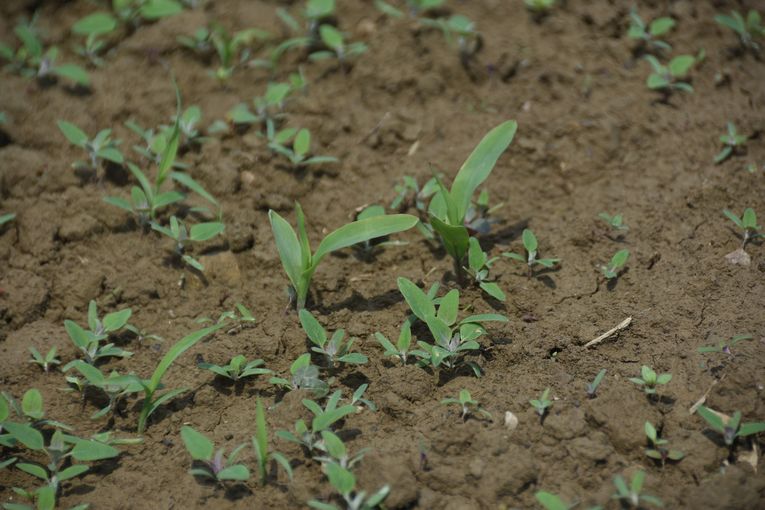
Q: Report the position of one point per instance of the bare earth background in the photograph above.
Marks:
(591, 138)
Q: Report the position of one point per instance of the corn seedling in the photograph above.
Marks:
(334, 349)
(616, 221)
(649, 380)
(238, 368)
(659, 448)
(633, 496)
(649, 34)
(531, 245)
(747, 223)
(401, 349)
(93, 27)
(323, 419)
(299, 153)
(731, 427)
(215, 464)
(31, 409)
(295, 250)
(260, 444)
(89, 341)
(44, 362)
(152, 399)
(725, 346)
(668, 78)
(335, 451)
(478, 268)
(731, 142)
(448, 208)
(303, 375)
(469, 406)
(197, 233)
(98, 149)
(542, 404)
(616, 264)
(114, 385)
(344, 482)
(31, 59)
(592, 387)
(336, 46)
(749, 29)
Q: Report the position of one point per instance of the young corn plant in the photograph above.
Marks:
(747, 223)
(479, 265)
(542, 404)
(336, 349)
(616, 221)
(215, 464)
(531, 245)
(295, 249)
(100, 148)
(615, 266)
(89, 341)
(730, 427)
(649, 380)
(93, 27)
(114, 386)
(344, 482)
(659, 447)
(592, 387)
(669, 78)
(299, 152)
(260, 444)
(404, 342)
(633, 496)
(725, 346)
(749, 30)
(732, 141)
(45, 362)
(238, 368)
(303, 375)
(323, 419)
(469, 406)
(648, 34)
(197, 233)
(336, 47)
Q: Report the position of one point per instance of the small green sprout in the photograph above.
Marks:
(592, 387)
(233, 49)
(448, 208)
(616, 221)
(409, 194)
(616, 264)
(44, 362)
(357, 399)
(553, 502)
(469, 406)
(115, 386)
(5, 218)
(539, 6)
(304, 375)
(747, 222)
(731, 141)
(323, 419)
(659, 449)
(315, 12)
(335, 349)
(725, 346)
(648, 34)
(100, 148)
(31, 409)
(295, 250)
(89, 341)
(415, 7)
(298, 154)
(336, 47)
(198, 233)
(260, 444)
(93, 27)
(649, 379)
(478, 268)
(336, 451)
(632, 495)
(133, 11)
(198, 42)
(344, 482)
(187, 124)
(216, 465)
(269, 108)
(668, 78)
(731, 428)
(531, 245)
(238, 368)
(542, 404)
(749, 30)
(460, 32)
(401, 349)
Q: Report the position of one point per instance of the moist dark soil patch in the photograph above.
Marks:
(591, 138)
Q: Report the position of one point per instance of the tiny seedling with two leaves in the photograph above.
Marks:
(633, 496)
(299, 153)
(335, 349)
(649, 380)
(344, 482)
(238, 368)
(215, 464)
(531, 245)
(323, 419)
(93, 27)
(260, 444)
(479, 265)
(460, 32)
(747, 223)
(89, 341)
(303, 375)
(337, 47)
(542, 404)
(730, 427)
(592, 387)
(469, 406)
(100, 148)
(31, 409)
(749, 29)
(615, 266)
(731, 141)
(335, 451)
(45, 362)
(648, 34)
(670, 77)
(233, 50)
(268, 108)
(404, 342)
(114, 385)
(197, 233)
(725, 346)
(616, 221)
(659, 448)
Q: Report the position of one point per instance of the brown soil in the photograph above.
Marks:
(591, 138)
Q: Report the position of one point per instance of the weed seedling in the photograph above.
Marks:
(260, 444)
(749, 30)
(135, 11)
(551, 501)
(89, 341)
(216, 465)
(5, 218)
(44, 362)
(298, 153)
(616, 221)
(648, 34)
(725, 346)
(93, 27)
(668, 78)
(198, 233)
(268, 108)
(731, 428)
(469, 406)
(542, 404)
(632, 496)
(592, 387)
(460, 32)
(344, 482)
(335, 451)
(323, 419)
(233, 50)
(478, 268)
(115, 386)
(100, 148)
(448, 208)
(659, 448)
(295, 250)
(303, 375)
(335, 349)
(731, 142)
(31, 409)
(238, 368)
(747, 222)
(530, 244)
(336, 47)
(415, 7)
(614, 267)
(649, 380)
(539, 7)
(401, 349)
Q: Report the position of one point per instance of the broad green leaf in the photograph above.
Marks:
(455, 237)
(96, 24)
(712, 418)
(484, 317)
(493, 290)
(747, 429)
(238, 472)
(439, 329)
(749, 218)
(656, 81)
(155, 9)
(476, 256)
(206, 231)
(75, 135)
(32, 404)
(363, 230)
(199, 447)
(288, 246)
(29, 39)
(33, 469)
(46, 498)
(620, 258)
(71, 472)
(341, 479)
(79, 336)
(116, 320)
(25, 434)
(331, 37)
(661, 26)
(313, 329)
(72, 72)
(732, 217)
(529, 241)
(418, 301)
(448, 308)
(680, 65)
(302, 143)
(323, 421)
(90, 450)
(550, 501)
(637, 482)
